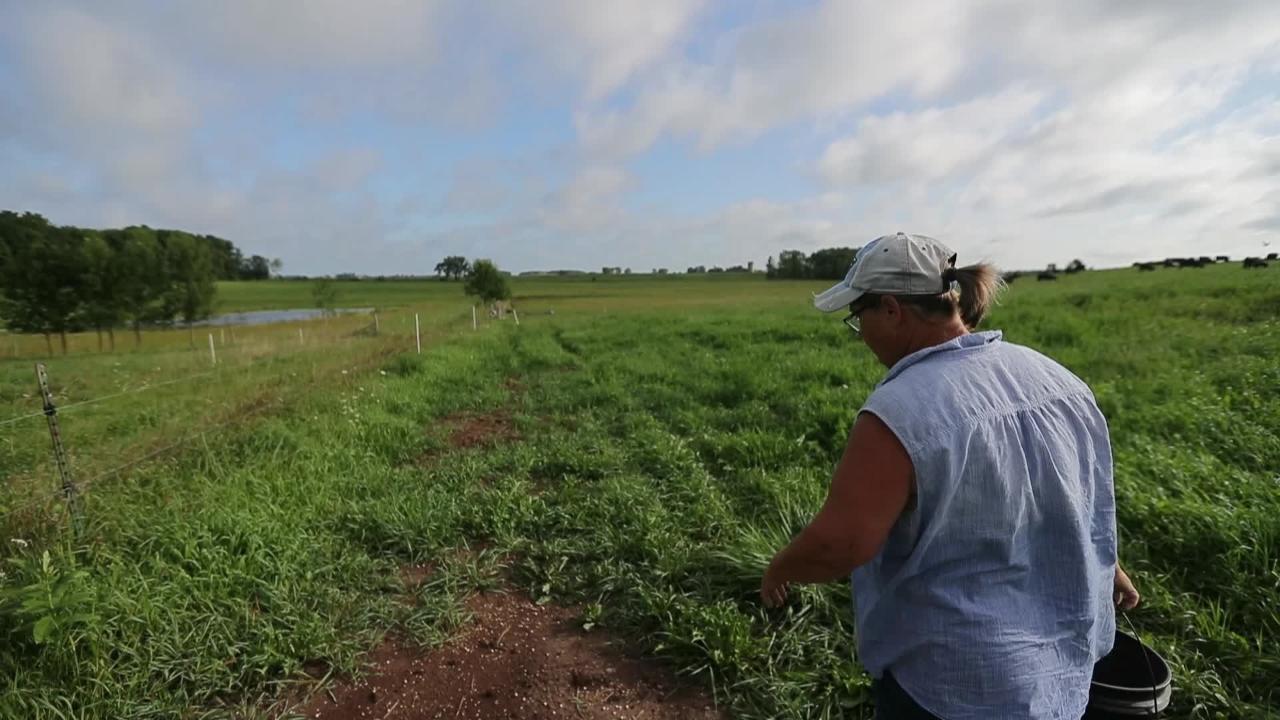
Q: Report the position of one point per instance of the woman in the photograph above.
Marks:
(973, 504)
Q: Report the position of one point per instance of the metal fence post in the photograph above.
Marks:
(59, 453)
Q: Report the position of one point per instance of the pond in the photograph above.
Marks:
(263, 317)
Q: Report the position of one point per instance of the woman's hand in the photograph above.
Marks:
(773, 592)
(1125, 594)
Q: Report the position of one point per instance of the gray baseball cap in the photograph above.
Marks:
(898, 264)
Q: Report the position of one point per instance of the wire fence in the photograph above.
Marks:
(369, 343)
(260, 373)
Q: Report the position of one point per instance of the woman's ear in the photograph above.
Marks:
(891, 306)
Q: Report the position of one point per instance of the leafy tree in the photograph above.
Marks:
(1075, 266)
(792, 265)
(453, 267)
(190, 269)
(103, 286)
(43, 276)
(831, 263)
(144, 283)
(487, 282)
(324, 294)
(255, 268)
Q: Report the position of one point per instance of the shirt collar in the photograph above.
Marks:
(961, 342)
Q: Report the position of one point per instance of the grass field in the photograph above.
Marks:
(662, 437)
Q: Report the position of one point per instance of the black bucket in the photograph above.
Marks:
(1131, 681)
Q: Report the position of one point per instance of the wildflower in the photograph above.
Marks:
(19, 542)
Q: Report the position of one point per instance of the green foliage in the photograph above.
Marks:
(63, 279)
(189, 267)
(54, 607)
(324, 295)
(825, 264)
(487, 282)
(453, 267)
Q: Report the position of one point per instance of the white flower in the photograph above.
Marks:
(19, 542)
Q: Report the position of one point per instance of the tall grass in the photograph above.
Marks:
(662, 453)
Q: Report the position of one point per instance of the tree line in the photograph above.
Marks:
(824, 264)
(56, 279)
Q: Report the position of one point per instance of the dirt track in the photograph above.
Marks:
(516, 660)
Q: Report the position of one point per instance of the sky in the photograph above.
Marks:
(380, 136)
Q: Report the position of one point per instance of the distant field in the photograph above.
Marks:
(655, 439)
(539, 293)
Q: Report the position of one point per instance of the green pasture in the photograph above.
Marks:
(666, 436)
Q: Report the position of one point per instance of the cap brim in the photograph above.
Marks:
(837, 297)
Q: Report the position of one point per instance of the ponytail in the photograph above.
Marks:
(973, 291)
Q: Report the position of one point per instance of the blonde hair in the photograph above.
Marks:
(978, 288)
(973, 290)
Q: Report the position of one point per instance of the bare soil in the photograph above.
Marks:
(516, 660)
(482, 430)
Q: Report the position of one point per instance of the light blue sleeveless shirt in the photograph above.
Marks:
(991, 597)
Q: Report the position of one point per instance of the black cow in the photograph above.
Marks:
(1145, 266)
(1223, 258)
(1254, 262)
(1272, 256)
(1046, 275)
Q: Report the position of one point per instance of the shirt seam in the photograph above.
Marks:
(1021, 407)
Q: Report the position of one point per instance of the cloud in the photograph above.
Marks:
(605, 42)
(930, 145)
(590, 201)
(111, 81)
(369, 136)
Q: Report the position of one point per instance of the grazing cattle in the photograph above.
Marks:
(1254, 262)
(1009, 277)
(1223, 258)
(1271, 256)
(1170, 262)
(1046, 275)
(1145, 266)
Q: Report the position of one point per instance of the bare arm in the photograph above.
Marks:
(870, 489)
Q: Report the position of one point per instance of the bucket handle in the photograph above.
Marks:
(1151, 673)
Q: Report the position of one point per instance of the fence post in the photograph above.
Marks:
(301, 341)
(213, 356)
(59, 453)
(473, 318)
(375, 324)
(417, 333)
(515, 315)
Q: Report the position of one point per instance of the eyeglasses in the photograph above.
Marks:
(853, 323)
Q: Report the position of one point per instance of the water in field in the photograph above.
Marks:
(263, 317)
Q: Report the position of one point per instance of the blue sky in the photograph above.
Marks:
(377, 137)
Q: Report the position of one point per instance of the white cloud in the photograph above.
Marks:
(930, 145)
(606, 42)
(589, 201)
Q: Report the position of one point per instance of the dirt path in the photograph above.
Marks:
(516, 660)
